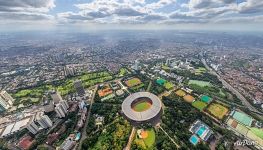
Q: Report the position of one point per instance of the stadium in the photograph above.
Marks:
(141, 108)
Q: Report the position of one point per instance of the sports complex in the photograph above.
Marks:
(142, 107)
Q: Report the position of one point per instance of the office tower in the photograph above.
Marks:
(60, 112)
(136, 65)
(8, 98)
(168, 62)
(61, 109)
(69, 71)
(6, 101)
(79, 88)
(2, 108)
(64, 104)
(32, 127)
(43, 120)
(3, 104)
(56, 97)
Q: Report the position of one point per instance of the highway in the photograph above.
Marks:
(84, 133)
(230, 88)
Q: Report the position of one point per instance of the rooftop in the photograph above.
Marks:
(143, 115)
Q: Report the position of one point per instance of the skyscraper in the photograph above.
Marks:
(136, 65)
(38, 122)
(32, 127)
(4, 105)
(64, 104)
(79, 88)
(6, 100)
(69, 71)
(61, 109)
(56, 97)
(43, 120)
(168, 62)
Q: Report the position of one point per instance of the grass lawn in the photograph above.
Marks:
(180, 93)
(137, 87)
(258, 132)
(141, 106)
(168, 85)
(199, 105)
(148, 142)
(123, 71)
(200, 83)
(217, 110)
(23, 93)
(133, 82)
(222, 93)
(34, 100)
(165, 67)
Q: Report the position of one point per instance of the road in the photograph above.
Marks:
(84, 133)
(233, 90)
(128, 146)
(123, 87)
(149, 86)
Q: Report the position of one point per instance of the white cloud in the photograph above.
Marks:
(26, 9)
(136, 11)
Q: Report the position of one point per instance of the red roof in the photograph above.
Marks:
(26, 142)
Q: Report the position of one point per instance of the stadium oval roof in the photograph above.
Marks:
(144, 115)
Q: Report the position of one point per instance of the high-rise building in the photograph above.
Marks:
(79, 88)
(64, 104)
(136, 65)
(61, 109)
(56, 97)
(32, 127)
(43, 120)
(69, 71)
(6, 100)
(168, 62)
(4, 105)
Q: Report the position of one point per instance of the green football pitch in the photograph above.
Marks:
(141, 106)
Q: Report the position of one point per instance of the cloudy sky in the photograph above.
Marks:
(132, 14)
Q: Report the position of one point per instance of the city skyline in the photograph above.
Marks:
(245, 15)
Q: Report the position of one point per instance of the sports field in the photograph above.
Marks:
(189, 98)
(206, 99)
(199, 105)
(141, 106)
(217, 110)
(258, 132)
(180, 93)
(147, 139)
(133, 82)
(168, 85)
(200, 83)
(104, 92)
(200, 71)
